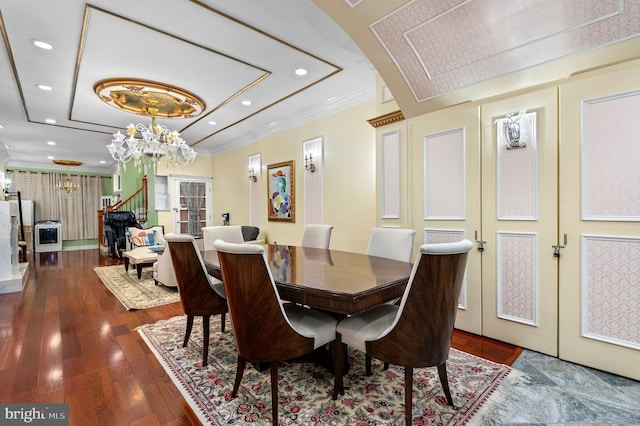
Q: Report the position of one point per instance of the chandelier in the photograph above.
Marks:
(149, 98)
(66, 187)
(157, 142)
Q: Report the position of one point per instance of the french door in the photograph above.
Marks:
(191, 205)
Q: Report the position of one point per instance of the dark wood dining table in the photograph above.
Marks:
(335, 281)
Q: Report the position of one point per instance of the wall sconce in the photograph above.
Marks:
(512, 132)
(252, 175)
(308, 163)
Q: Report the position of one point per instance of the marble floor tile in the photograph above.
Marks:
(557, 393)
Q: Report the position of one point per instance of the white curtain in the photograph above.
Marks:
(78, 213)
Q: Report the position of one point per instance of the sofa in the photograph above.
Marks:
(163, 268)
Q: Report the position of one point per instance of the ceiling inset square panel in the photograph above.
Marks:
(193, 66)
(440, 47)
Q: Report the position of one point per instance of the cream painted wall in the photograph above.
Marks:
(349, 178)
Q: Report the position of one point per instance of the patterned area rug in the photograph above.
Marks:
(133, 294)
(305, 388)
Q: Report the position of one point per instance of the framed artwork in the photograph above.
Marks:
(281, 191)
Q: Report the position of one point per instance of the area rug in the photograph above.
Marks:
(134, 294)
(305, 388)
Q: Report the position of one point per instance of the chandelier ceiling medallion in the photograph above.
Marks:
(66, 187)
(152, 99)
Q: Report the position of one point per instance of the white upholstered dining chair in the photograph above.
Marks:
(200, 297)
(392, 243)
(317, 236)
(265, 329)
(417, 333)
(227, 233)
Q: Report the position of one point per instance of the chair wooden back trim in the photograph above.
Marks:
(262, 330)
(194, 285)
(428, 309)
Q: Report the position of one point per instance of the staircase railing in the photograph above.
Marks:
(138, 203)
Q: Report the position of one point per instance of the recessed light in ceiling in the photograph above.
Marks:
(213, 123)
(301, 71)
(42, 44)
(44, 87)
(51, 143)
(50, 157)
(103, 162)
(1, 126)
(10, 146)
(246, 103)
(50, 120)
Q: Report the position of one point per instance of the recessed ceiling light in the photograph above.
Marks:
(42, 44)
(213, 123)
(44, 87)
(50, 120)
(103, 162)
(10, 146)
(50, 157)
(1, 126)
(246, 103)
(301, 71)
(51, 143)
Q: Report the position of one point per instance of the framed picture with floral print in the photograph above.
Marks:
(281, 191)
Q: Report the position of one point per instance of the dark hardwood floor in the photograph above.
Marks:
(66, 338)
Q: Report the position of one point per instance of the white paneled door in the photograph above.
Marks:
(449, 165)
(600, 213)
(519, 221)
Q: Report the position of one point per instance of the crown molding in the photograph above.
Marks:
(383, 120)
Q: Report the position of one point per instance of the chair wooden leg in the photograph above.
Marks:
(408, 394)
(205, 331)
(223, 319)
(367, 365)
(274, 391)
(239, 373)
(339, 353)
(187, 333)
(444, 381)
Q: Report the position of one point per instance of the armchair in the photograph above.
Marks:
(163, 272)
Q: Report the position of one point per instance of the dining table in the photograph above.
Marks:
(339, 282)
